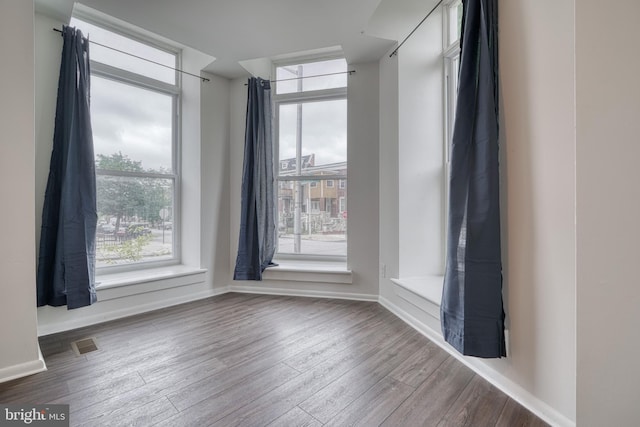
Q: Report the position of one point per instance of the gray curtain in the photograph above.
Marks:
(66, 262)
(258, 232)
(472, 314)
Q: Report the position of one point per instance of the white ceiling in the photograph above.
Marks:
(240, 30)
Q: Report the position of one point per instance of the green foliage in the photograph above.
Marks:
(118, 162)
(129, 198)
(129, 250)
(122, 197)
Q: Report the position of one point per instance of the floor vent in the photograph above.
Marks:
(84, 346)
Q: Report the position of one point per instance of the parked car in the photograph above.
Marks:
(106, 228)
(137, 229)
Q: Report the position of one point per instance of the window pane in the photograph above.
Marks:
(323, 136)
(132, 123)
(127, 62)
(312, 220)
(311, 83)
(135, 220)
(455, 21)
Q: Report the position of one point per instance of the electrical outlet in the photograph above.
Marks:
(383, 270)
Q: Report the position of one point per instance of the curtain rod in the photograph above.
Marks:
(395, 51)
(204, 79)
(308, 77)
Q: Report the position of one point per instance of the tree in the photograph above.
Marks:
(119, 196)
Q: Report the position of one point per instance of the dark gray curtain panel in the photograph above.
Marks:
(66, 262)
(472, 314)
(258, 232)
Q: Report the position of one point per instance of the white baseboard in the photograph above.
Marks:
(301, 293)
(513, 390)
(516, 392)
(23, 369)
(76, 322)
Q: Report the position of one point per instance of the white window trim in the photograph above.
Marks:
(450, 52)
(127, 77)
(446, 24)
(305, 97)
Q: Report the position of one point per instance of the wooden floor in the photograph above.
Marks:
(256, 360)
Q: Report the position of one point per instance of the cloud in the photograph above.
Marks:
(324, 131)
(131, 120)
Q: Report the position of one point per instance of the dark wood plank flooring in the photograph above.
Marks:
(250, 360)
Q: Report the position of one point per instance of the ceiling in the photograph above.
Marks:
(241, 30)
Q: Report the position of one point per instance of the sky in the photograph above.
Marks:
(125, 118)
(138, 122)
(324, 124)
(324, 131)
(131, 120)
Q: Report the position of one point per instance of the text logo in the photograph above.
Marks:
(34, 415)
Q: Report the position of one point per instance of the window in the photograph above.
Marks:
(451, 58)
(343, 184)
(453, 24)
(311, 129)
(134, 107)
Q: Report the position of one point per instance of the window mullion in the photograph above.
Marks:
(117, 74)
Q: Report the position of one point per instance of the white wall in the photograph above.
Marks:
(538, 199)
(363, 102)
(18, 334)
(363, 176)
(214, 165)
(412, 167)
(538, 176)
(389, 173)
(608, 210)
(420, 150)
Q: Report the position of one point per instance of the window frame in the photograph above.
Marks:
(305, 97)
(126, 77)
(450, 64)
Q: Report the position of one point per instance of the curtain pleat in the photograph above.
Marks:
(258, 232)
(472, 314)
(66, 262)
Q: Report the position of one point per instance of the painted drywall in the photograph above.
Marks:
(18, 333)
(411, 162)
(389, 201)
(608, 208)
(214, 191)
(538, 189)
(363, 137)
(538, 201)
(420, 150)
(191, 157)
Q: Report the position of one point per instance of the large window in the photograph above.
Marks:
(311, 128)
(133, 112)
(451, 56)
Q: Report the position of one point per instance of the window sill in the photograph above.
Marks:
(118, 285)
(424, 292)
(309, 271)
